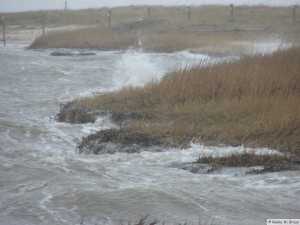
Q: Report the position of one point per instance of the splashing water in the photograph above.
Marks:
(43, 182)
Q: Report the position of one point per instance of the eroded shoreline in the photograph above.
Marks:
(155, 119)
(130, 141)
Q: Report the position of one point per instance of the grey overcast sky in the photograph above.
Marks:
(29, 5)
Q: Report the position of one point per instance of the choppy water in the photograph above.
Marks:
(42, 181)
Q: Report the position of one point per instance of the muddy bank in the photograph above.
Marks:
(122, 140)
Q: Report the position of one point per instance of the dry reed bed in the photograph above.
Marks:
(119, 39)
(254, 101)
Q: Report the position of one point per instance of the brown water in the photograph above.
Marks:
(42, 181)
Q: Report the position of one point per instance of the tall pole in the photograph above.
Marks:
(43, 23)
(109, 19)
(3, 29)
(231, 12)
(66, 5)
(189, 12)
(294, 14)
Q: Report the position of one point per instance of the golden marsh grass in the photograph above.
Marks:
(254, 101)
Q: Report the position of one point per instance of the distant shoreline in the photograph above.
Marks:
(161, 29)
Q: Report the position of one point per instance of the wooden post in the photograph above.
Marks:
(149, 11)
(3, 30)
(294, 14)
(189, 12)
(43, 23)
(231, 12)
(109, 19)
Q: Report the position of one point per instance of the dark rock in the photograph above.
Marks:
(61, 54)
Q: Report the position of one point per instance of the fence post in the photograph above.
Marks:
(109, 19)
(189, 12)
(3, 30)
(43, 23)
(294, 14)
(231, 12)
(149, 11)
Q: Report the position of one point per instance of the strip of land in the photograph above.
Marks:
(164, 29)
(253, 101)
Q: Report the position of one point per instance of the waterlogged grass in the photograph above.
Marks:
(254, 101)
(270, 163)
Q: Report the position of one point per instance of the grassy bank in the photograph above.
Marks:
(166, 29)
(254, 101)
(175, 16)
(119, 39)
